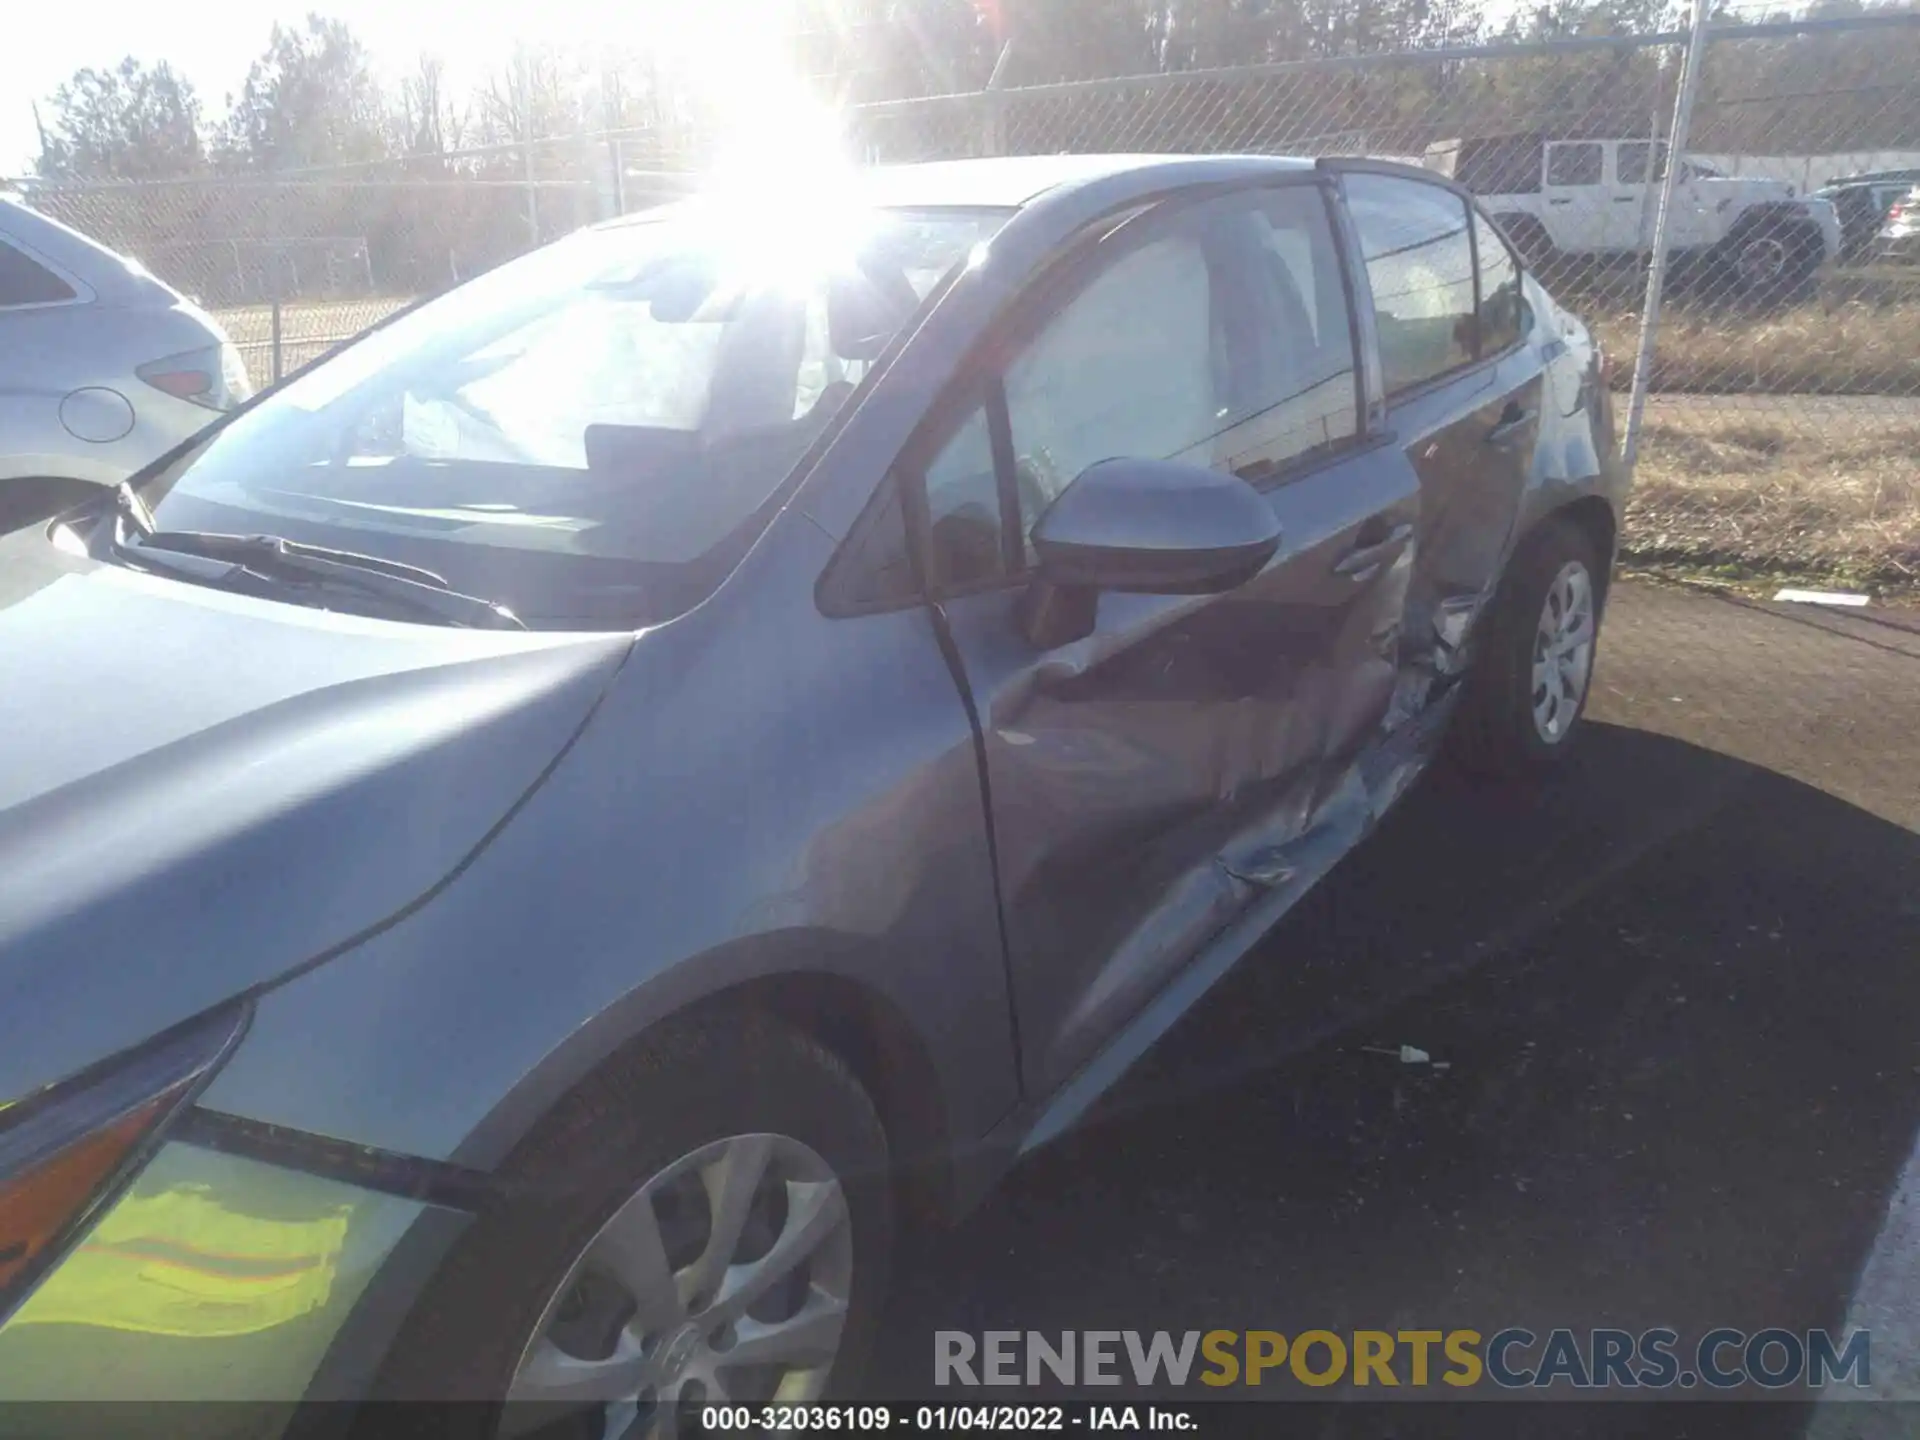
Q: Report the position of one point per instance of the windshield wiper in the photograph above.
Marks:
(273, 557)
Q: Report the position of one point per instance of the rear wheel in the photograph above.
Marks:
(1527, 691)
(706, 1221)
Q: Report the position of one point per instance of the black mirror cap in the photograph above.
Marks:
(1157, 527)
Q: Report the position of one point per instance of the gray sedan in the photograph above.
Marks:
(102, 367)
(536, 850)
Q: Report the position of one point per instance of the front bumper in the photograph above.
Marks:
(213, 1279)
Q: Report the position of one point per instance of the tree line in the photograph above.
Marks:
(313, 98)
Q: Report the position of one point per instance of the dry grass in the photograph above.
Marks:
(1840, 500)
(1849, 348)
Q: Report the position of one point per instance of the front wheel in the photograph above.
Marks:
(708, 1220)
(1772, 262)
(1527, 691)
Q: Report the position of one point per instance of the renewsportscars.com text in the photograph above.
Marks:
(1511, 1359)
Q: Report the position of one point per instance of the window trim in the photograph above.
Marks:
(83, 293)
(1389, 170)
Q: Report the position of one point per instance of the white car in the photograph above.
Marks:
(1599, 198)
(102, 367)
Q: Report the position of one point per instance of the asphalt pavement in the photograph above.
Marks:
(1677, 993)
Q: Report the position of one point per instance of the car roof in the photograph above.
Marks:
(1017, 179)
(1009, 182)
(1876, 177)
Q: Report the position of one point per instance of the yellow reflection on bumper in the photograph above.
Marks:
(183, 1262)
(212, 1278)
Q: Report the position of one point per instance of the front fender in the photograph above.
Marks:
(764, 793)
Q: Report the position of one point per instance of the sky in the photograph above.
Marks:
(212, 42)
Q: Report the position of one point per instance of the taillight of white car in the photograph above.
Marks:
(214, 376)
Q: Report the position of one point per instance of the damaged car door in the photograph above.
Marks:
(1463, 385)
(1153, 759)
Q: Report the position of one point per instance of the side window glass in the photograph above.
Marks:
(1303, 396)
(1630, 162)
(1413, 238)
(1503, 317)
(1128, 368)
(963, 508)
(27, 282)
(1575, 164)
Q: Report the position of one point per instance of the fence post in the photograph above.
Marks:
(993, 138)
(533, 194)
(1657, 266)
(276, 335)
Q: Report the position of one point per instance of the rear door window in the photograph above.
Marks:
(1503, 309)
(1419, 259)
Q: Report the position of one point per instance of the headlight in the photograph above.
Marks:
(65, 1150)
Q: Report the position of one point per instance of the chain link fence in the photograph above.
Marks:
(1781, 417)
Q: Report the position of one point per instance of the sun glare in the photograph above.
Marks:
(780, 184)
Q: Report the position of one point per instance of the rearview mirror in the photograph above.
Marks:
(864, 307)
(1155, 527)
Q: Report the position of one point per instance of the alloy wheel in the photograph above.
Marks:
(1563, 652)
(726, 1277)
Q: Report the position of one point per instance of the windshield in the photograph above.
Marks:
(587, 434)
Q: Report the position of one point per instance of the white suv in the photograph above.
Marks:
(1599, 198)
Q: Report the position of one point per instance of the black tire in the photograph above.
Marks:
(1494, 732)
(1792, 249)
(685, 1086)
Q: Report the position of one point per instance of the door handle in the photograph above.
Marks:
(1362, 562)
(1626, 199)
(1513, 420)
(1564, 200)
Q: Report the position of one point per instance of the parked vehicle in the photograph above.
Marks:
(1600, 197)
(1862, 203)
(1899, 238)
(102, 367)
(558, 832)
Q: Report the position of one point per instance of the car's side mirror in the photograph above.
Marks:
(1155, 527)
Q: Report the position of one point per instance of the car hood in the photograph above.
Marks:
(202, 792)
